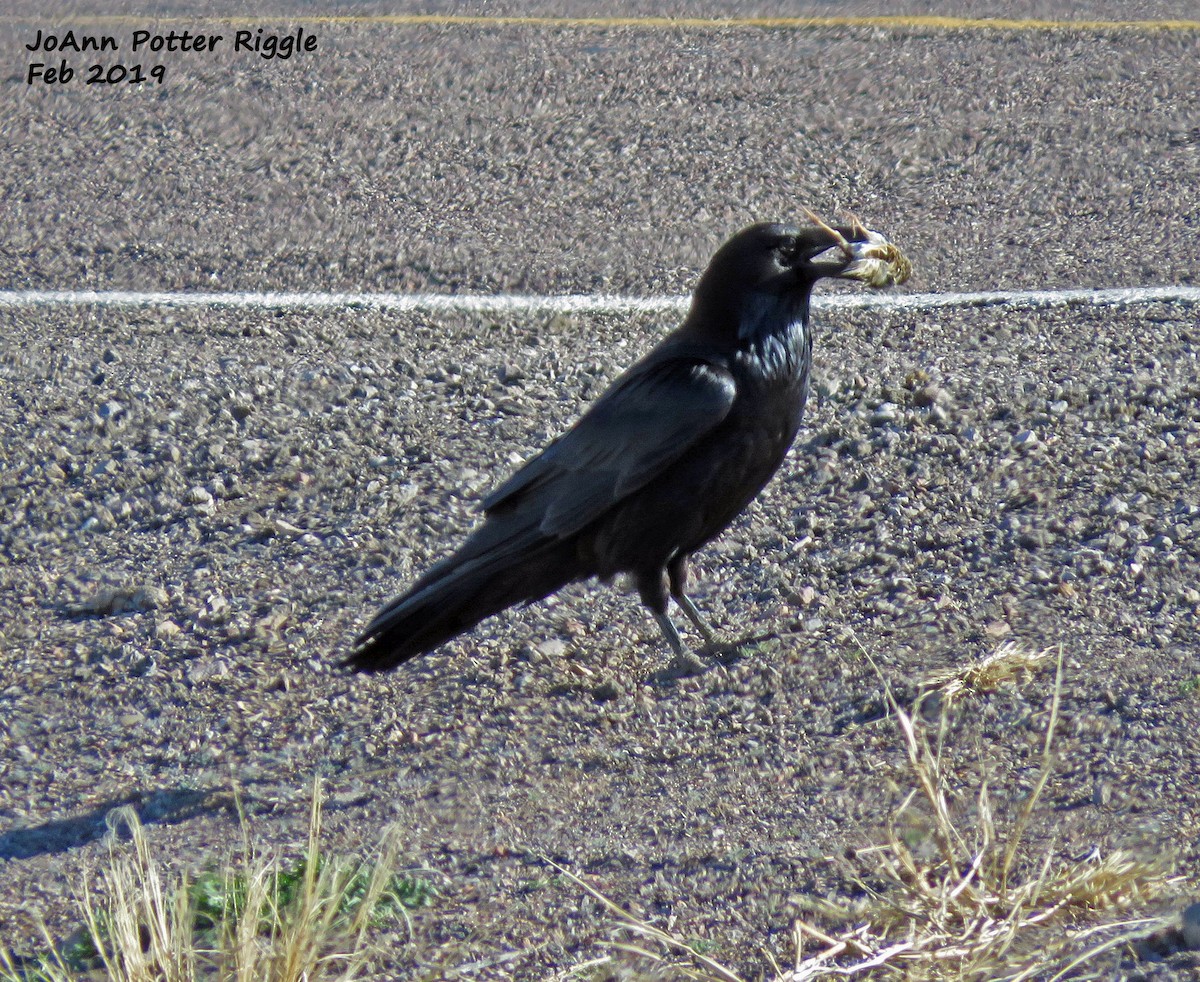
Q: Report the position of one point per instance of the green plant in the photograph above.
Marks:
(258, 919)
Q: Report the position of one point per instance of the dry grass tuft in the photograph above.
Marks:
(673, 956)
(261, 920)
(970, 898)
(948, 896)
(1011, 662)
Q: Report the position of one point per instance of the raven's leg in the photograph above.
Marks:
(654, 595)
(677, 574)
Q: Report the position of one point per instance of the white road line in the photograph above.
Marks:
(517, 303)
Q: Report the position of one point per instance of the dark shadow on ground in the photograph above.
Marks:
(161, 807)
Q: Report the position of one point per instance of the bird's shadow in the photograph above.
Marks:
(722, 653)
(64, 834)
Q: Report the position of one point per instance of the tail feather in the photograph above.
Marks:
(456, 595)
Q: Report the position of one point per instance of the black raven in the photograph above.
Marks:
(662, 462)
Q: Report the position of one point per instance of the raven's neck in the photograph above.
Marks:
(767, 316)
(773, 342)
(734, 318)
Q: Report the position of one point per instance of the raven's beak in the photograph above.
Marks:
(872, 259)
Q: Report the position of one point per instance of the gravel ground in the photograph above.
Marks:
(198, 509)
(579, 160)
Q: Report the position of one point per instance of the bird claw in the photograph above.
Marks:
(857, 227)
(839, 239)
(683, 665)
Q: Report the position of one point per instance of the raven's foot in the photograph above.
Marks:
(732, 650)
(684, 662)
(682, 665)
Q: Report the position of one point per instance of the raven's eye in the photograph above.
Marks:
(789, 251)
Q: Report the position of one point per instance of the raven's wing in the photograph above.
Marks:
(634, 431)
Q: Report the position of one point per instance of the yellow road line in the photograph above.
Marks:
(668, 23)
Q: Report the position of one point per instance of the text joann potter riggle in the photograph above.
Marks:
(103, 61)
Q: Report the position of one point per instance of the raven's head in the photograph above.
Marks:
(851, 252)
(784, 259)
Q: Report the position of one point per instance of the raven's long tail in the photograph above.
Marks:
(459, 592)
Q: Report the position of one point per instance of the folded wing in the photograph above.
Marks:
(636, 430)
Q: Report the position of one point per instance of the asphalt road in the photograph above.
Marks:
(965, 477)
(579, 159)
